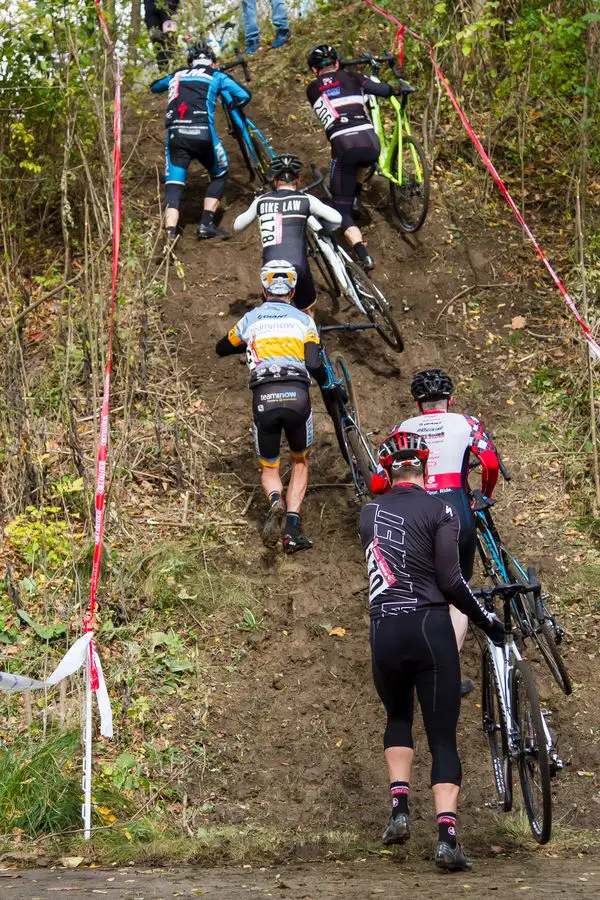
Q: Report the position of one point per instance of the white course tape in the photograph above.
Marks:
(73, 660)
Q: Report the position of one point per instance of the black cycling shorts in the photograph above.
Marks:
(306, 293)
(459, 501)
(349, 153)
(182, 148)
(417, 649)
(281, 407)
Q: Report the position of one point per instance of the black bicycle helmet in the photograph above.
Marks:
(285, 168)
(431, 384)
(200, 50)
(322, 56)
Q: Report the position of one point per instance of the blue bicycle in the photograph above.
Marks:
(255, 148)
(532, 617)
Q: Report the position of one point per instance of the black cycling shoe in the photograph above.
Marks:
(451, 858)
(273, 518)
(398, 829)
(170, 240)
(206, 232)
(292, 543)
(466, 686)
(366, 263)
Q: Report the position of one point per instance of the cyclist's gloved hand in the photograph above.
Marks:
(495, 630)
(380, 483)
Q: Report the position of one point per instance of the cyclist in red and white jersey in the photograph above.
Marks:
(451, 438)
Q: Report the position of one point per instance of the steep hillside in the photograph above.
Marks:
(294, 736)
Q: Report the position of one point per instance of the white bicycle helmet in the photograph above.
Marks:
(278, 278)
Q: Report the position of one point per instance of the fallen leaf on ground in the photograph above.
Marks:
(518, 322)
(338, 631)
(71, 862)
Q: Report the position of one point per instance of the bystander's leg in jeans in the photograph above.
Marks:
(280, 22)
(251, 29)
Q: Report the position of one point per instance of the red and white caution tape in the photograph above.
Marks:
(398, 46)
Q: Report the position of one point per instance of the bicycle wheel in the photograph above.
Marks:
(375, 306)
(342, 373)
(545, 640)
(534, 769)
(494, 728)
(410, 200)
(359, 453)
(323, 265)
(263, 153)
(541, 633)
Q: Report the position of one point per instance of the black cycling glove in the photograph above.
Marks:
(495, 630)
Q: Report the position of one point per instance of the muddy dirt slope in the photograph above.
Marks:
(298, 730)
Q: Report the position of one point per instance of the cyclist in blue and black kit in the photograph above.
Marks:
(191, 134)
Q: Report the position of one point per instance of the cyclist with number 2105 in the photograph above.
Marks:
(337, 99)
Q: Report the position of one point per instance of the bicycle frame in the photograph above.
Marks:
(389, 145)
(240, 123)
(337, 258)
(504, 659)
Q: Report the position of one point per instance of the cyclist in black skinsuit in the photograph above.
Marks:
(410, 540)
(282, 216)
(337, 99)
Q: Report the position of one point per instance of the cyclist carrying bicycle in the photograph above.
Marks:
(452, 438)
(282, 216)
(337, 98)
(191, 134)
(410, 542)
(282, 350)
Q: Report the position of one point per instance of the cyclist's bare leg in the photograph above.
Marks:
(270, 478)
(171, 217)
(211, 204)
(297, 486)
(445, 797)
(399, 762)
(353, 235)
(460, 623)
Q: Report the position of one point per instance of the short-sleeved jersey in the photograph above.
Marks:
(338, 101)
(193, 94)
(276, 335)
(451, 438)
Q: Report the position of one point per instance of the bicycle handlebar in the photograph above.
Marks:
(368, 59)
(318, 175)
(533, 585)
(239, 61)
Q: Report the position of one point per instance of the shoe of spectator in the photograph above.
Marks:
(280, 39)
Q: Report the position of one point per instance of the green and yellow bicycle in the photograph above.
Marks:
(402, 159)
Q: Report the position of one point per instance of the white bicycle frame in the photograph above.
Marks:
(503, 659)
(337, 258)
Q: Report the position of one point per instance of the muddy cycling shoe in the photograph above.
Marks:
(273, 519)
(292, 543)
(451, 858)
(398, 830)
(366, 263)
(466, 686)
(206, 232)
